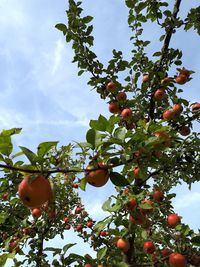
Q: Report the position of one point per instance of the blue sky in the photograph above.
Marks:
(40, 90)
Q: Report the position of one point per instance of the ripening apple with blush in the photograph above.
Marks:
(126, 114)
(168, 114)
(173, 219)
(114, 107)
(35, 191)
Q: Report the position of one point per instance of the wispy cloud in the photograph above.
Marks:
(188, 200)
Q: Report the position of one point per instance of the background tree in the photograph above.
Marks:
(145, 148)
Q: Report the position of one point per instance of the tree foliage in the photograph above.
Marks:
(149, 137)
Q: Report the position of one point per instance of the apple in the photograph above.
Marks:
(166, 252)
(139, 219)
(66, 219)
(195, 259)
(168, 114)
(185, 72)
(177, 260)
(113, 107)
(121, 96)
(177, 108)
(195, 106)
(184, 130)
(159, 94)
(149, 247)
(52, 215)
(34, 193)
(126, 113)
(78, 210)
(181, 79)
(87, 265)
(98, 177)
(36, 212)
(136, 171)
(79, 227)
(89, 224)
(131, 204)
(123, 244)
(75, 186)
(5, 196)
(162, 136)
(145, 78)
(111, 87)
(67, 226)
(26, 231)
(103, 233)
(158, 195)
(173, 219)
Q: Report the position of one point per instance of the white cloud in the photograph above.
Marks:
(187, 200)
(57, 56)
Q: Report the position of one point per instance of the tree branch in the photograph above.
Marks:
(164, 50)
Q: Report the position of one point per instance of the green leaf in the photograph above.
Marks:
(5, 145)
(118, 179)
(3, 217)
(68, 246)
(80, 72)
(100, 124)
(29, 154)
(54, 250)
(93, 137)
(82, 184)
(111, 208)
(11, 132)
(101, 253)
(87, 19)
(61, 27)
(196, 241)
(44, 147)
(101, 225)
(4, 257)
(120, 133)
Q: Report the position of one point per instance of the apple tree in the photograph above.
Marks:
(145, 148)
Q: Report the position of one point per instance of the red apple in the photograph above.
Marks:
(36, 212)
(195, 106)
(181, 79)
(66, 219)
(52, 215)
(184, 130)
(166, 252)
(177, 260)
(79, 227)
(131, 204)
(123, 244)
(113, 107)
(177, 108)
(173, 219)
(89, 224)
(159, 94)
(145, 78)
(121, 96)
(185, 72)
(149, 247)
(78, 210)
(126, 114)
(111, 87)
(158, 195)
(34, 193)
(168, 114)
